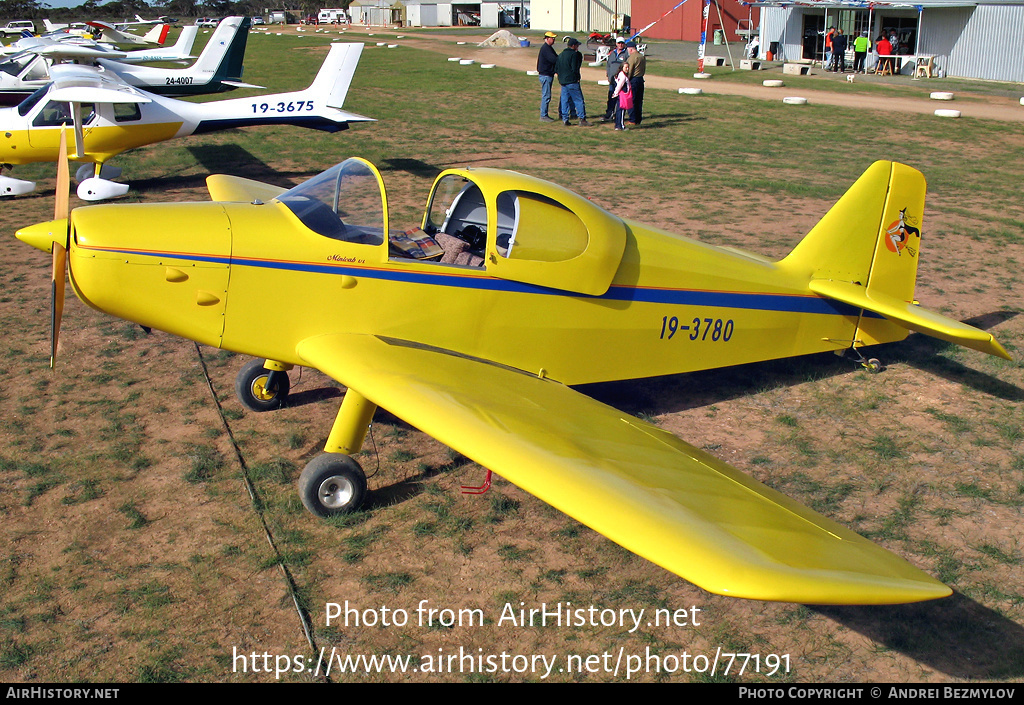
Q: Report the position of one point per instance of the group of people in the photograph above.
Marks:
(625, 69)
(836, 44)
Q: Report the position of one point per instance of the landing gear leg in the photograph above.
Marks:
(333, 483)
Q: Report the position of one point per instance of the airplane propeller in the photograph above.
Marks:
(54, 237)
(61, 211)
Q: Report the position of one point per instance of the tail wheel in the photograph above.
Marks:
(332, 484)
(260, 389)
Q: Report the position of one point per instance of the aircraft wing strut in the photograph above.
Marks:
(638, 485)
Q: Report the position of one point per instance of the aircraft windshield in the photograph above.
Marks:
(27, 104)
(342, 203)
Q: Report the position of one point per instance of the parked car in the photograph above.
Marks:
(257, 20)
(14, 29)
(207, 22)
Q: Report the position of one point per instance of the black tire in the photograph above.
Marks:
(332, 484)
(252, 391)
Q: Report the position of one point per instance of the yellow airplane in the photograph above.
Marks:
(110, 116)
(473, 326)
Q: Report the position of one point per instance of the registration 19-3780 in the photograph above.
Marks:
(714, 329)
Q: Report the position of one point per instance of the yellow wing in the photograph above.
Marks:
(639, 486)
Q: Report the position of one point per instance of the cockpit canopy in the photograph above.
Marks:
(346, 202)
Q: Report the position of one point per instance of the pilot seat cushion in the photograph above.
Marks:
(452, 247)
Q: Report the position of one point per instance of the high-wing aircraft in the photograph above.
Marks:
(111, 33)
(109, 117)
(530, 278)
(219, 66)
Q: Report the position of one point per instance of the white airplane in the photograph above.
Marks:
(110, 33)
(109, 116)
(219, 67)
(75, 28)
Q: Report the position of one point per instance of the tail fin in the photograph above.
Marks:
(864, 252)
(335, 75)
(223, 54)
(186, 40)
(157, 35)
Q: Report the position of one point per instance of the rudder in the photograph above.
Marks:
(869, 238)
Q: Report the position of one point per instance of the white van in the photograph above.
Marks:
(332, 16)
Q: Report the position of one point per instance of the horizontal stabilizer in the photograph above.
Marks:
(235, 189)
(240, 84)
(641, 487)
(910, 316)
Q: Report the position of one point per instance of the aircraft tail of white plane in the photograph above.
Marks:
(222, 56)
(157, 35)
(317, 107)
(181, 50)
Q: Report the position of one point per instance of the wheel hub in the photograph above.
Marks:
(260, 390)
(336, 491)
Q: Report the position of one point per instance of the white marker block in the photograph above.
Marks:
(465, 62)
(773, 83)
(487, 66)
(702, 75)
(691, 91)
(792, 100)
(948, 113)
(941, 95)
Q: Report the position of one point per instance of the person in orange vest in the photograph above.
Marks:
(828, 47)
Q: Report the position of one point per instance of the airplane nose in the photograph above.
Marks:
(42, 235)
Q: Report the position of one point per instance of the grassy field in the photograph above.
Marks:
(138, 494)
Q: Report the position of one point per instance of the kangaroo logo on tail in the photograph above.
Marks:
(897, 234)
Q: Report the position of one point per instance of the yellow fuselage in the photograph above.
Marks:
(254, 280)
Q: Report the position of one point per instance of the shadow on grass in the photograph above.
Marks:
(414, 167)
(406, 489)
(312, 396)
(956, 636)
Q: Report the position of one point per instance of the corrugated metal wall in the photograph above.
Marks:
(968, 42)
(598, 14)
(976, 42)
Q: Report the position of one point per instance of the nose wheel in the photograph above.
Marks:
(260, 389)
(332, 484)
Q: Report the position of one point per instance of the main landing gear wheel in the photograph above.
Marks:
(332, 484)
(260, 389)
(873, 365)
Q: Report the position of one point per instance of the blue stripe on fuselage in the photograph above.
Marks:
(678, 297)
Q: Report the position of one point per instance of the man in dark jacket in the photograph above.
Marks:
(568, 69)
(546, 70)
(839, 51)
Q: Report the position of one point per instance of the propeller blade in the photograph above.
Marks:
(63, 194)
(60, 259)
(61, 211)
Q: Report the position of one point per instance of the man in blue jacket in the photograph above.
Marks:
(546, 70)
